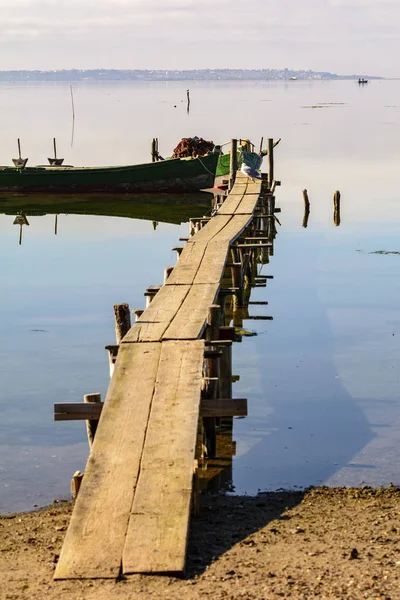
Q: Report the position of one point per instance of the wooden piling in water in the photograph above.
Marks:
(167, 273)
(233, 164)
(91, 425)
(122, 316)
(336, 208)
(76, 483)
(212, 333)
(306, 208)
(270, 161)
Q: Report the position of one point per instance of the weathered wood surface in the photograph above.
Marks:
(190, 321)
(224, 407)
(79, 411)
(154, 321)
(133, 507)
(231, 203)
(95, 538)
(186, 268)
(158, 528)
(211, 228)
(73, 411)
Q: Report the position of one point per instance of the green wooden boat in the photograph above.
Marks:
(224, 162)
(169, 176)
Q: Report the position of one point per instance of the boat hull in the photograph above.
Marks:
(169, 176)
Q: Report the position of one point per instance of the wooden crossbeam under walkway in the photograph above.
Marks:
(133, 509)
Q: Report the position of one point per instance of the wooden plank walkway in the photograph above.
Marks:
(133, 509)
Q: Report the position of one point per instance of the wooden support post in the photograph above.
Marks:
(178, 250)
(225, 370)
(122, 321)
(212, 333)
(196, 491)
(153, 150)
(233, 164)
(112, 356)
(76, 483)
(138, 313)
(167, 273)
(213, 322)
(270, 162)
(150, 293)
(91, 425)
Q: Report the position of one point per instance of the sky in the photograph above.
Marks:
(341, 36)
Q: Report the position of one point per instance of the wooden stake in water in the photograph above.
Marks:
(73, 115)
(336, 208)
(122, 316)
(233, 164)
(270, 161)
(91, 425)
(306, 208)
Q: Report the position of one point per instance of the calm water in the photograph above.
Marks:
(322, 379)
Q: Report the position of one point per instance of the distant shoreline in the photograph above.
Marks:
(117, 75)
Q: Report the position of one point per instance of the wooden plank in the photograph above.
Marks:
(207, 232)
(189, 323)
(248, 204)
(240, 186)
(253, 187)
(213, 264)
(96, 535)
(158, 527)
(186, 268)
(241, 178)
(222, 407)
(74, 411)
(154, 321)
(230, 204)
(80, 411)
(233, 229)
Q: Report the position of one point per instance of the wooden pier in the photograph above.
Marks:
(173, 366)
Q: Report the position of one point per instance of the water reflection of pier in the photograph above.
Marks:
(215, 468)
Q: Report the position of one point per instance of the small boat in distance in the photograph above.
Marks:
(175, 175)
(360, 81)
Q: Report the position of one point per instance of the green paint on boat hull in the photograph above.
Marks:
(169, 176)
(224, 161)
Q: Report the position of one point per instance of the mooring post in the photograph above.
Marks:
(336, 208)
(91, 425)
(233, 164)
(153, 150)
(306, 208)
(270, 161)
(122, 316)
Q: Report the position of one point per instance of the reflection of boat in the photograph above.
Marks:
(163, 208)
(361, 80)
(171, 176)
